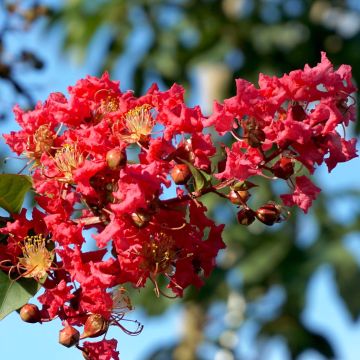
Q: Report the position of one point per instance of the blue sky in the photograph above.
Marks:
(325, 311)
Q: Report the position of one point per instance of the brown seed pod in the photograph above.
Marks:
(180, 173)
(246, 217)
(269, 214)
(95, 325)
(69, 336)
(283, 168)
(30, 313)
(256, 137)
(115, 158)
(239, 197)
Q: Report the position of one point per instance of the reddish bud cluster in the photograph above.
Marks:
(80, 149)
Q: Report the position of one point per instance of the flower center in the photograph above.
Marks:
(107, 105)
(67, 159)
(136, 124)
(36, 259)
(40, 143)
(159, 253)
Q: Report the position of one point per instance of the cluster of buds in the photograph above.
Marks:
(268, 214)
(102, 159)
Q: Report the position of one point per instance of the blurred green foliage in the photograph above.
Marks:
(247, 37)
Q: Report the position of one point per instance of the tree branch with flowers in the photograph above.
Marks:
(102, 159)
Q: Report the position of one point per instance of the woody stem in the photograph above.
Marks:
(197, 194)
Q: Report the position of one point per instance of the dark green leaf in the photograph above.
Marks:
(347, 275)
(12, 191)
(263, 259)
(321, 344)
(14, 294)
(243, 185)
(298, 337)
(202, 178)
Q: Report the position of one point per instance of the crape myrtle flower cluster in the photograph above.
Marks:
(101, 160)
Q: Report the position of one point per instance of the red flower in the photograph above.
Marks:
(305, 192)
(221, 118)
(38, 130)
(137, 185)
(242, 162)
(101, 350)
(54, 299)
(340, 150)
(159, 149)
(18, 230)
(65, 232)
(302, 85)
(203, 148)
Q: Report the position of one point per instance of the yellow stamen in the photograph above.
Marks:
(41, 142)
(137, 123)
(159, 254)
(67, 159)
(36, 259)
(107, 105)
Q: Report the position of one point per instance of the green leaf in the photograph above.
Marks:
(260, 262)
(298, 337)
(15, 294)
(202, 178)
(243, 185)
(13, 189)
(347, 274)
(346, 270)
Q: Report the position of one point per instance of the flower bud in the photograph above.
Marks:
(255, 137)
(30, 313)
(269, 214)
(239, 197)
(283, 168)
(69, 336)
(95, 325)
(246, 217)
(180, 173)
(181, 153)
(140, 218)
(298, 113)
(116, 158)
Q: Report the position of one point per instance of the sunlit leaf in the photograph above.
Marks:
(202, 178)
(13, 189)
(14, 294)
